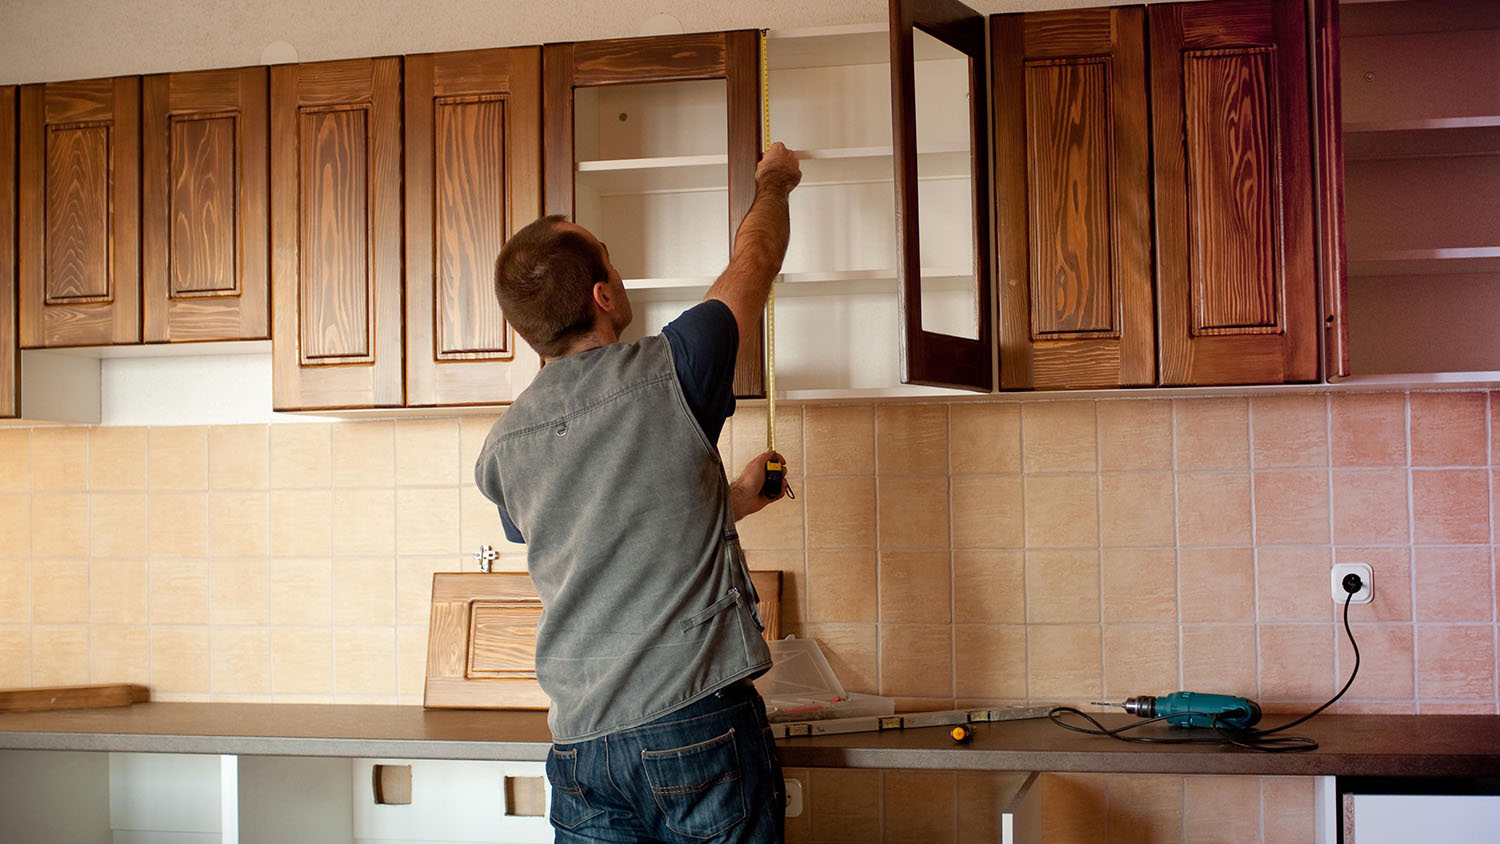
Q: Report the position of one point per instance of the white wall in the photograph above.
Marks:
(50, 40)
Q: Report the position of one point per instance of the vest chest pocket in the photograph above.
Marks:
(697, 787)
(730, 598)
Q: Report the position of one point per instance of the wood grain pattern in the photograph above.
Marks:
(78, 254)
(1068, 170)
(926, 357)
(1073, 199)
(481, 641)
(1332, 256)
(1231, 177)
(336, 153)
(72, 697)
(204, 206)
(1236, 269)
(732, 56)
(473, 177)
(10, 358)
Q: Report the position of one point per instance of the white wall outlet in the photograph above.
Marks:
(1365, 593)
(793, 797)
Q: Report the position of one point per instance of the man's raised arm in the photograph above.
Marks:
(760, 244)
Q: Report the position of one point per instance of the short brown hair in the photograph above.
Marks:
(544, 280)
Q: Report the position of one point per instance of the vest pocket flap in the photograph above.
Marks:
(730, 598)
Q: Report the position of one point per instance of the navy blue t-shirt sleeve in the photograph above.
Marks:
(705, 343)
(512, 532)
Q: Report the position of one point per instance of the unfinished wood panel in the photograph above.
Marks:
(1073, 199)
(473, 178)
(10, 358)
(1236, 269)
(928, 357)
(481, 643)
(72, 697)
(336, 200)
(731, 56)
(1328, 127)
(78, 254)
(204, 225)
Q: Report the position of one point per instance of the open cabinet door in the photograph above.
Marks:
(1328, 108)
(940, 115)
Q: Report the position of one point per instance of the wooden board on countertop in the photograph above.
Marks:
(481, 645)
(72, 697)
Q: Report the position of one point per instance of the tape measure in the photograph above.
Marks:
(775, 469)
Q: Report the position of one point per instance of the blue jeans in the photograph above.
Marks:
(707, 772)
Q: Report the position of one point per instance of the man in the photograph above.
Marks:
(606, 466)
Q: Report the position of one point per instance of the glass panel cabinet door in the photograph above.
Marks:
(939, 112)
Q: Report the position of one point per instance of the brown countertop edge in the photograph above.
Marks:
(1350, 745)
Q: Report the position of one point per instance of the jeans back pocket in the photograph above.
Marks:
(570, 809)
(697, 787)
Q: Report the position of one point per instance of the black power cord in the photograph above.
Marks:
(1264, 741)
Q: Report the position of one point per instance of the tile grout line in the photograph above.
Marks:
(1411, 552)
(1254, 547)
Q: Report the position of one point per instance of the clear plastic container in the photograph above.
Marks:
(801, 686)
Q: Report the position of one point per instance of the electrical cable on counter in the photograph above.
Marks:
(1265, 741)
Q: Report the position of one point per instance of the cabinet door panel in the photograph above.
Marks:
(939, 358)
(335, 223)
(10, 358)
(1236, 273)
(204, 224)
(79, 257)
(732, 56)
(1072, 198)
(473, 177)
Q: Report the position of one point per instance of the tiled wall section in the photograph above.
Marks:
(947, 554)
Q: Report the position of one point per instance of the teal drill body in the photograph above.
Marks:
(1196, 709)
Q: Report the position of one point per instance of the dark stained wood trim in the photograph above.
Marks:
(10, 356)
(926, 357)
(661, 58)
(557, 129)
(1329, 129)
(742, 72)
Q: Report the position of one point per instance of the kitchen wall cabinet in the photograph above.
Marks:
(652, 145)
(1421, 148)
(204, 206)
(473, 178)
(1072, 199)
(79, 213)
(1236, 273)
(10, 356)
(336, 268)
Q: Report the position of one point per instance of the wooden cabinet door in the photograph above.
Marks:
(10, 357)
(1236, 274)
(1329, 129)
(731, 56)
(473, 178)
(79, 252)
(1072, 199)
(932, 354)
(204, 224)
(336, 234)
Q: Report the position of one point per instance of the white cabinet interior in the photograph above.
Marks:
(650, 184)
(1421, 120)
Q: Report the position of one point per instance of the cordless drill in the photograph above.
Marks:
(1194, 709)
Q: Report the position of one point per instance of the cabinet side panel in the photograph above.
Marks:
(337, 300)
(10, 359)
(663, 58)
(1231, 180)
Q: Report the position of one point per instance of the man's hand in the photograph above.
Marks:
(778, 169)
(744, 493)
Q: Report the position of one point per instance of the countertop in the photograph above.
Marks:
(1350, 745)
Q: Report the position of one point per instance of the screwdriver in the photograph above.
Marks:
(1193, 709)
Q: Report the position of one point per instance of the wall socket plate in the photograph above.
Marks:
(793, 797)
(1366, 592)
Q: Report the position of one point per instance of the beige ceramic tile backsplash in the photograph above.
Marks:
(947, 554)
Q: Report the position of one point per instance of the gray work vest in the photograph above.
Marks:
(624, 504)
